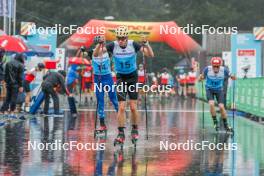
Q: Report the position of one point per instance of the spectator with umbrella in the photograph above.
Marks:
(13, 77)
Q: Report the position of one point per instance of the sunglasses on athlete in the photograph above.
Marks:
(121, 38)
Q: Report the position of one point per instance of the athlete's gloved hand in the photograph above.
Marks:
(145, 43)
(201, 77)
(99, 39)
(144, 40)
(83, 49)
(233, 77)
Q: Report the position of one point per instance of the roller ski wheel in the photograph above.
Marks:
(119, 156)
(101, 132)
(11, 118)
(134, 137)
(2, 122)
(119, 140)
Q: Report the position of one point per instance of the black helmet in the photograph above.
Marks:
(2, 50)
(62, 72)
(20, 57)
(165, 69)
(41, 66)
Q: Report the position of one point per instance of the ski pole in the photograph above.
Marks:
(203, 102)
(145, 98)
(233, 109)
(81, 81)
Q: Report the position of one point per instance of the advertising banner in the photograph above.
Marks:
(47, 39)
(227, 57)
(168, 32)
(246, 55)
(60, 55)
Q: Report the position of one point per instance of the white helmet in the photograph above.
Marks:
(121, 31)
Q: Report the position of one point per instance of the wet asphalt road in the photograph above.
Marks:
(170, 121)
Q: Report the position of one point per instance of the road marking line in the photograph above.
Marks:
(142, 110)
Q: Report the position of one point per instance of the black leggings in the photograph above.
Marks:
(11, 97)
(49, 91)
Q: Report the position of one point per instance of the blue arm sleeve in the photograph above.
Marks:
(226, 70)
(205, 71)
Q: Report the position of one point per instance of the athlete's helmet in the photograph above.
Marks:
(21, 57)
(41, 66)
(2, 52)
(121, 31)
(165, 69)
(216, 61)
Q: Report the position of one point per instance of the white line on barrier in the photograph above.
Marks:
(142, 110)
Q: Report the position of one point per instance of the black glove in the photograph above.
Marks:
(98, 39)
(83, 49)
(145, 43)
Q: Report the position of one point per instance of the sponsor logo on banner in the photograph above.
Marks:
(60, 55)
(246, 59)
(258, 33)
(27, 28)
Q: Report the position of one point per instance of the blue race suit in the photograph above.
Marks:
(125, 59)
(215, 81)
(103, 80)
(71, 77)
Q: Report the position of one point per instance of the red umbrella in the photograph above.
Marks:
(12, 44)
(79, 61)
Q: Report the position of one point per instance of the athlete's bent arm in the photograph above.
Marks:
(147, 50)
(97, 50)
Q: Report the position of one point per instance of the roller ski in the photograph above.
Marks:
(12, 117)
(119, 140)
(134, 137)
(229, 130)
(2, 122)
(119, 156)
(101, 132)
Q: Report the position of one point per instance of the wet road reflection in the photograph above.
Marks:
(180, 124)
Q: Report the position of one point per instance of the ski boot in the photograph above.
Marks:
(134, 136)
(229, 129)
(216, 126)
(120, 139)
(2, 122)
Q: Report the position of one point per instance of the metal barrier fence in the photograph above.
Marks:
(249, 95)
